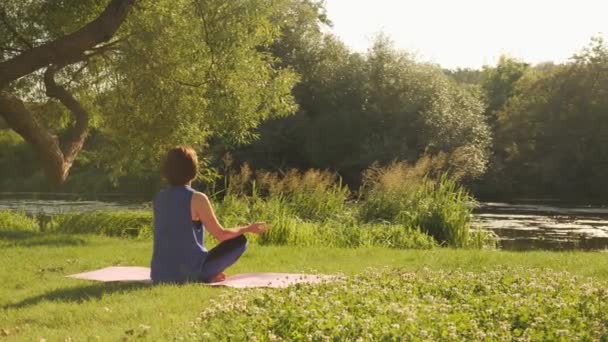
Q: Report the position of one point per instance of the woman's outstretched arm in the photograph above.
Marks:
(202, 210)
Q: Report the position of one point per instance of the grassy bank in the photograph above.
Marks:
(396, 208)
(38, 302)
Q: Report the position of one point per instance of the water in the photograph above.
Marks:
(545, 226)
(49, 204)
(518, 226)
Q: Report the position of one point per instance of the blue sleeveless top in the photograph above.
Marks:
(178, 252)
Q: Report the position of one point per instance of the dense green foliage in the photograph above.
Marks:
(357, 109)
(175, 72)
(38, 302)
(503, 305)
(551, 133)
(224, 77)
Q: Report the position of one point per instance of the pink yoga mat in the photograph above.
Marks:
(117, 273)
(244, 280)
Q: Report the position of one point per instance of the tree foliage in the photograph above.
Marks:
(552, 131)
(498, 84)
(357, 109)
(133, 77)
(173, 72)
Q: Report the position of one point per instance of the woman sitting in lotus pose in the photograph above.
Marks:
(181, 216)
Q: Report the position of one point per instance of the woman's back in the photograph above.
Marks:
(178, 253)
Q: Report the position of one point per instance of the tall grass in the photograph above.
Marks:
(399, 206)
(402, 194)
(16, 221)
(288, 228)
(294, 232)
(127, 223)
(311, 195)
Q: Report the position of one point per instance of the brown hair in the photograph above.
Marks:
(180, 165)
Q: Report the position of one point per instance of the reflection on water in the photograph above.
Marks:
(42, 204)
(541, 226)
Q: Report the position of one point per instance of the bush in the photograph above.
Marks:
(401, 194)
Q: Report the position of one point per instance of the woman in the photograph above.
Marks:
(181, 215)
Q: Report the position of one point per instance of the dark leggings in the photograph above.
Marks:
(222, 256)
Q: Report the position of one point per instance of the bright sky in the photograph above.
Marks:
(473, 33)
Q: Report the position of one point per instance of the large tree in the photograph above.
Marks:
(552, 134)
(356, 109)
(26, 49)
(146, 74)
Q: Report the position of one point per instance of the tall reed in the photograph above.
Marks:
(403, 194)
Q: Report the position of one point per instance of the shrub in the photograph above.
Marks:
(402, 194)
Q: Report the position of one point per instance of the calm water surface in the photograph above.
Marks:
(545, 226)
(51, 204)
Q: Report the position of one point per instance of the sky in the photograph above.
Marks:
(472, 33)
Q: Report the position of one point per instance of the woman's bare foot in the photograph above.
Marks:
(218, 278)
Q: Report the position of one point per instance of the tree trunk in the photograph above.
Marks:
(22, 121)
(58, 154)
(74, 140)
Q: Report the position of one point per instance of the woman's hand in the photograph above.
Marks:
(258, 227)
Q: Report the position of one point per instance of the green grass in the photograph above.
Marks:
(399, 195)
(12, 220)
(440, 208)
(37, 301)
(503, 304)
(288, 228)
(125, 223)
(395, 209)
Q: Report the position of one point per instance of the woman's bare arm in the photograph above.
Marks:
(201, 209)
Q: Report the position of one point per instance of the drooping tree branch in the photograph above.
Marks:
(58, 154)
(73, 141)
(69, 48)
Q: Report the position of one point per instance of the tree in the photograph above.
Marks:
(465, 75)
(356, 109)
(26, 50)
(145, 74)
(553, 131)
(498, 84)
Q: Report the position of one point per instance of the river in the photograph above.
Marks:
(519, 226)
(530, 226)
